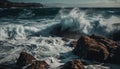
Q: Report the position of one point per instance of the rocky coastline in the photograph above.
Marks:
(8, 4)
(93, 48)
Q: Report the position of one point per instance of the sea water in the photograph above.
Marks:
(32, 30)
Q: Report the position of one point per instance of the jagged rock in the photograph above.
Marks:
(96, 48)
(38, 65)
(25, 59)
(76, 64)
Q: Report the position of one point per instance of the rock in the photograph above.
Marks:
(25, 59)
(4, 67)
(76, 64)
(38, 65)
(7, 3)
(96, 48)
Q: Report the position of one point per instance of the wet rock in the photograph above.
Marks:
(76, 64)
(4, 67)
(38, 65)
(25, 59)
(96, 48)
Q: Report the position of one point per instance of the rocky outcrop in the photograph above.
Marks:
(6, 3)
(38, 65)
(25, 59)
(28, 60)
(76, 64)
(97, 48)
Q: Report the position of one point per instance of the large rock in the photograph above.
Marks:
(97, 48)
(25, 59)
(76, 64)
(38, 65)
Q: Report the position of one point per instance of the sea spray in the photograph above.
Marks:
(80, 21)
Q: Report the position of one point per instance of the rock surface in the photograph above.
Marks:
(4, 67)
(97, 48)
(25, 59)
(76, 64)
(38, 65)
(28, 60)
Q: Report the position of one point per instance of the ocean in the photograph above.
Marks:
(40, 31)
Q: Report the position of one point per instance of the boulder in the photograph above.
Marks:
(96, 48)
(38, 65)
(25, 59)
(76, 64)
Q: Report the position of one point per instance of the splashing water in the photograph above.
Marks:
(80, 21)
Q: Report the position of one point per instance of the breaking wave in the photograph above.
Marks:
(88, 22)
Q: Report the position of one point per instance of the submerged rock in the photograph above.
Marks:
(25, 59)
(97, 48)
(76, 64)
(38, 65)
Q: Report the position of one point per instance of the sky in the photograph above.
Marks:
(97, 3)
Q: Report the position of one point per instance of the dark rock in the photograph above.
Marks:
(4, 67)
(6, 3)
(76, 64)
(97, 48)
(25, 59)
(38, 65)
